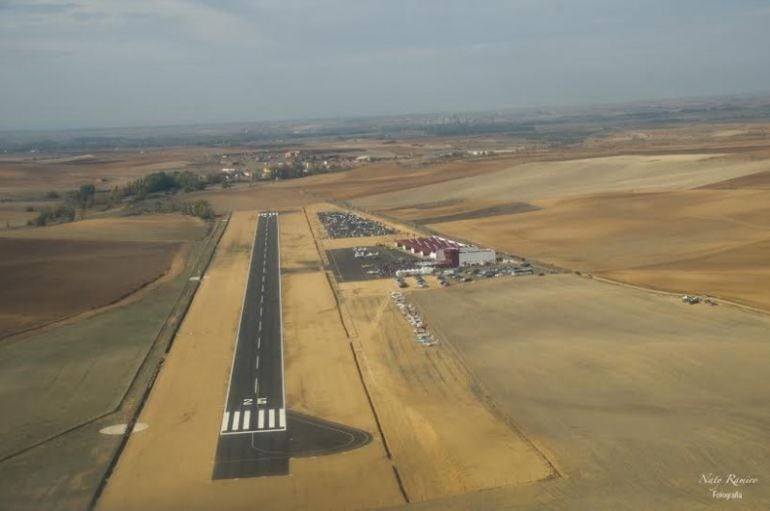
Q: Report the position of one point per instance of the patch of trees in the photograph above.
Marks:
(54, 215)
(167, 182)
(136, 197)
(83, 197)
(201, 208)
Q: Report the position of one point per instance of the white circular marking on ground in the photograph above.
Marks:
(119, 429)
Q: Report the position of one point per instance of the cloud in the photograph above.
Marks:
(76, 61)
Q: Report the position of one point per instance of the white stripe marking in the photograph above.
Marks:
(247, 419)
(257, 361)
(256, 386)
(271, 418)
(282, 418)
(261, 419)
(259, 342)
(225, 421)
(236, 420)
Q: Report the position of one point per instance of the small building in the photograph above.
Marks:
(452, 257)
(446, 252)
(475, 255)
(426, 247)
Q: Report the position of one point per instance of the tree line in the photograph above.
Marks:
(158, 184)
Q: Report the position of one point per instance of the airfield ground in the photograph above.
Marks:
(560, 392)
(171, 461)
(634, 394)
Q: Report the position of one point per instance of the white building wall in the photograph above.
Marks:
(476, 256)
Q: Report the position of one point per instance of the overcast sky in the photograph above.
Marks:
(92, 63)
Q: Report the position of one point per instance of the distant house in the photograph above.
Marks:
(232, 174)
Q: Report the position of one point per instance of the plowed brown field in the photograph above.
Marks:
(42, 281)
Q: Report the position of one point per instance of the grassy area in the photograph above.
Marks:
(86, 375)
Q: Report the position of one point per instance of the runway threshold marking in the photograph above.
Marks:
(225, 421)
(268, 420)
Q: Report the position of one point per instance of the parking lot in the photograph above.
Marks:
(348, 225)
(367, 263)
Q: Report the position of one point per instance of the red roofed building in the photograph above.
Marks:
(447, 252)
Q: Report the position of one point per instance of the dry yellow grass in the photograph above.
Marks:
(704, 240)
(740, 274)
(171, 227)
(541, 180)
(264, 196)
(444, 439)
(633, 393)
(13, 216)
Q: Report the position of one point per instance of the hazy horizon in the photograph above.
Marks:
(91, 64)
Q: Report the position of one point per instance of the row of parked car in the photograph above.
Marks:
(467, 275)
(421, 334)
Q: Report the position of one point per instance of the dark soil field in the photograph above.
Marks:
(42, 281)
(503, 209)
(758, 180)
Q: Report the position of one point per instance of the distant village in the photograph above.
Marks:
(275, 165)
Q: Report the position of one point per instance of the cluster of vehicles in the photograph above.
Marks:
(340, 224)
(465, 274)
(693, 299)
(468, 274)
(364, 252)
(421, 334)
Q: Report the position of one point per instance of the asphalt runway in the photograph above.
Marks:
(258, 434)
(255, 411)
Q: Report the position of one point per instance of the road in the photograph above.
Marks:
(253, 438)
